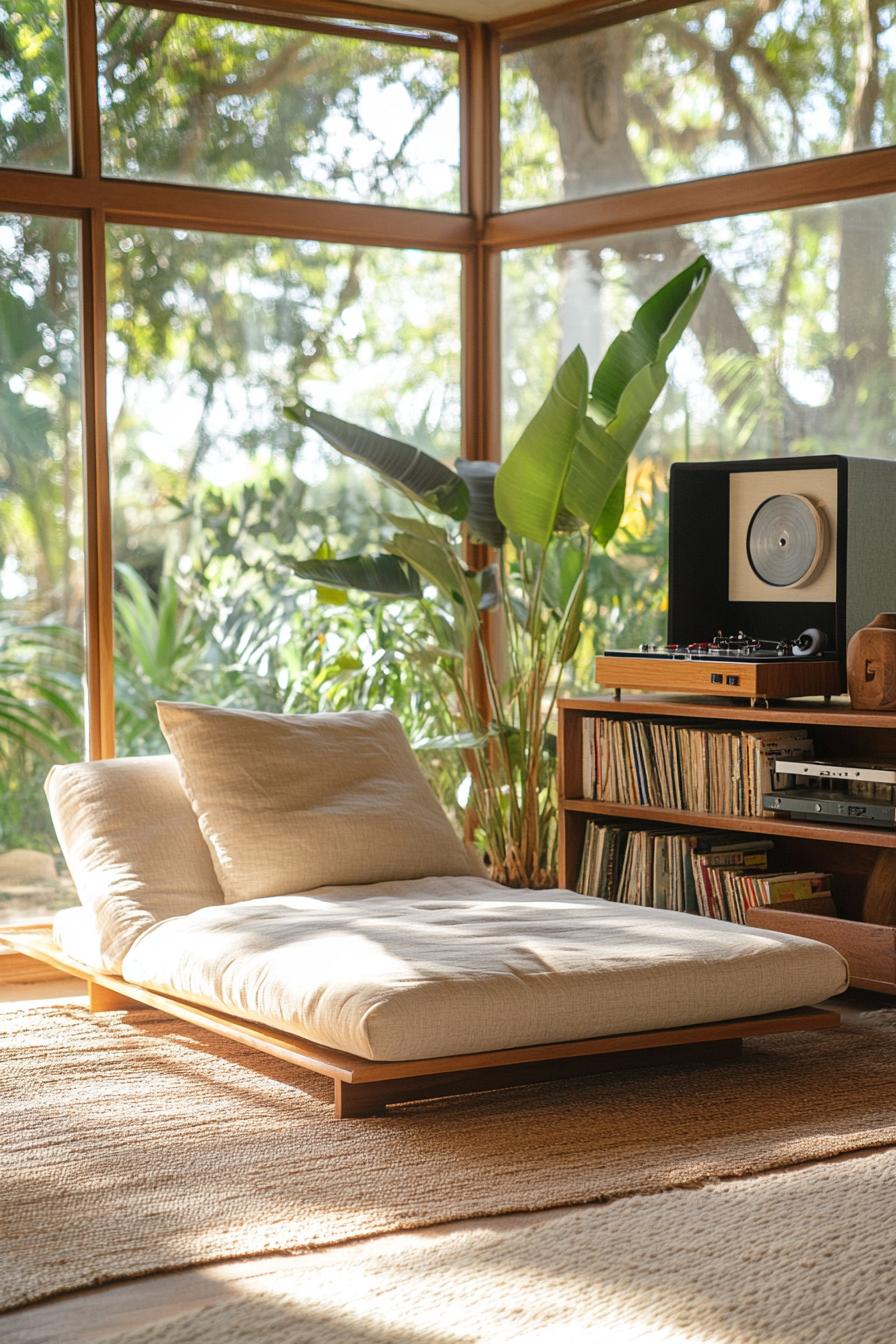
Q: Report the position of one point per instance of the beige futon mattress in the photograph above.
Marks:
(405, 970)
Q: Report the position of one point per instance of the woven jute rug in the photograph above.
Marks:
(133, 1143)
(800, 1257)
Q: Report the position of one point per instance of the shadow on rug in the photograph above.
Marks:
(137, 1143)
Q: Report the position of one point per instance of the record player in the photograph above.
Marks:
(773, 565)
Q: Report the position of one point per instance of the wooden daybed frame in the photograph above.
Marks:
(364, 1087)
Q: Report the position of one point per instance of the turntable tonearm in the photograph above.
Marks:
(797, 550)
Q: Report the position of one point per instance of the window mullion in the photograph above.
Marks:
(83, 96)
(98, 558)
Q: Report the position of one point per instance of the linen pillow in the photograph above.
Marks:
(132, 845)
(290, 802)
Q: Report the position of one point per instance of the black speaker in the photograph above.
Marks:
(779, 546)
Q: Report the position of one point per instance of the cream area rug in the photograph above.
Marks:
(133, 1143)
(800, 1257)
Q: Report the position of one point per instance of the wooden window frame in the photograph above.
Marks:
(480, 233)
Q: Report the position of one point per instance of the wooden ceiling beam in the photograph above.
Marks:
(411, 27)
(550, 24)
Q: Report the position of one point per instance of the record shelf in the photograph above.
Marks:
(848, 853)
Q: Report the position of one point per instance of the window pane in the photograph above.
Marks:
(33, 105)
(221, 103)
(41, 571)
(695, 92)
(791, 351)
(209, 336)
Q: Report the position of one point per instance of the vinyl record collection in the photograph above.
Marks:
(650, 763)
(702, 873)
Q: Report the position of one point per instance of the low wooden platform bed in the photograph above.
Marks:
(423, 980)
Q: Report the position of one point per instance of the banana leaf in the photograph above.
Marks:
(561, 575)
(597, 464)
(530, 483)
(430, 561)
(411, 470)
(329, 597)
(614, 508)
(573, 632)
(482, 520)
(656, 330)
(417, 527)
(627, 383)
(380, 575)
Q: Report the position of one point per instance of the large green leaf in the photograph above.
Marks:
(431, 560)
(380, 575)
(573, 631)
(597, 464)
(414, 472)
(609, 520)
(331, 597)
(482, 520)
(626, 386)
(656, 330)
(529, 486)
(417, 527)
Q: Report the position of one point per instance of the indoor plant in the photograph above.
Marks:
(560, 490)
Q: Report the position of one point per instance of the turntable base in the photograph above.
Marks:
(740, 678)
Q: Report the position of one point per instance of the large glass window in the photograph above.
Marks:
(216, 102)
(33, 100)
(41, 571)
(210, 336)
(694, 92)
(791, 351)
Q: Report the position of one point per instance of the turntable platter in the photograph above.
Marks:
(786, 540)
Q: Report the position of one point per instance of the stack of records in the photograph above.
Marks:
(698, 872)
(652, 763)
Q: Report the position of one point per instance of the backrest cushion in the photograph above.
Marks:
(134, 850)
(290, 802)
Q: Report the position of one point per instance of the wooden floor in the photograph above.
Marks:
(89, 1316)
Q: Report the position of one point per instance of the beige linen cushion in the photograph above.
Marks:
(450, 965)
(132, 845)
(75, 932)
(290, 802)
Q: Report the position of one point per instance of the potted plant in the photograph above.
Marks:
(560, 491)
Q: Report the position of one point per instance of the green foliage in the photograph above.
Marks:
(529, 488)
(41, 723)
(694, 91)
(566, 464)
(382, 575)
(482, 514)
(205, 100)
(227, 628)
(33, 80)
(41, 695)
(633, 372)
(540, 581)
(418, 475)
(38, 676)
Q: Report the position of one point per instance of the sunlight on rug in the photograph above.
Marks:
(137, 1143)
(803, 1257)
